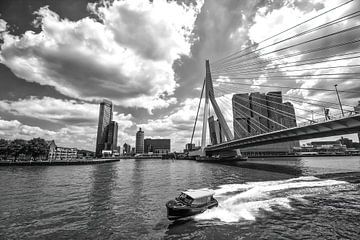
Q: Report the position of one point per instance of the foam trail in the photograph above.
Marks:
(244, 201)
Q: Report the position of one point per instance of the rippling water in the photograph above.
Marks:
(126, 200)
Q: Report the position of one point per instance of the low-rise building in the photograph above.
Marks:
(321, 148)
(157, 146)
(61, 153)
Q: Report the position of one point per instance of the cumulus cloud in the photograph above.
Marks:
(14, 129)
(177, 126)
(268, 68)
(125, 54)
(78, 120)
(2, 25)
(73, 136)
(61, 111)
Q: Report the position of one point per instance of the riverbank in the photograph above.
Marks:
(57, 163)
(307, 155)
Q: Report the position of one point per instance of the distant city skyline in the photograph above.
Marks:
(59, 59)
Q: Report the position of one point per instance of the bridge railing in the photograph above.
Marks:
(323, 119)
(315, 121)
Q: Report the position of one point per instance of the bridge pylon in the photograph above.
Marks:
(210, 98)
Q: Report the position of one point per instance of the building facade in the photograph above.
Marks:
(157, 146)
(139, 146)
(216, 134)
(321, 148)
(189, 147)
(126, 149)
(112, 133)
(258, 113)
(105, 118)
(357, 111)
(61, 153)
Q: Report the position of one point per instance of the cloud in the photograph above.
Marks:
(66, 112)
(77, 120)
(14, 129)
(177, 126)
(125, 53)
(73, 136)
(276, 18)
(2, 25)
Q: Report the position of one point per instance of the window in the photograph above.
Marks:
(185, 198)
(200, 201)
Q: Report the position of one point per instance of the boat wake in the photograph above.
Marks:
(246, 201)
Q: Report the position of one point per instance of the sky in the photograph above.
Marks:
(59, 59)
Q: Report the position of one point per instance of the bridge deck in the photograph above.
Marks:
(345, 125)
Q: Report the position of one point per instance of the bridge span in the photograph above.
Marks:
(344, 125)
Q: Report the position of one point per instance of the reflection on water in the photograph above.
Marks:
(126, 200)
(304, 165)
(100, 214)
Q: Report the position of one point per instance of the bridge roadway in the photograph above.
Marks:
(344, 125)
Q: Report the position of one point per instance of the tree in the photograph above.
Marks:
(17, 147)
(37, 147)
(4, 148)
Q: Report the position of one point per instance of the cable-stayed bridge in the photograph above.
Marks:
(343, 125)
(313, 58)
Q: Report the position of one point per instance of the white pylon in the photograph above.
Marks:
(209, 95)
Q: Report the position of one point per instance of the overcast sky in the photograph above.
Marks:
(59, 59)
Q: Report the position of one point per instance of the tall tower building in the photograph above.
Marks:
(241, 115)
(258, 113)
(274, 102)
(216, 135)
(111, 143)
(126, 149)
(105, 117)
(357, 111)
(139, 147)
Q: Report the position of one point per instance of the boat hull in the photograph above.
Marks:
(175, 211)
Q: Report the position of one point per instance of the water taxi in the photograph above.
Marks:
(191, 202)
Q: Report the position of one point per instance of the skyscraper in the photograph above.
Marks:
(258, 113)
(139, 147)
(357, 111)
(216, 135)
(105, 117)
(126, 149)
(111, 142)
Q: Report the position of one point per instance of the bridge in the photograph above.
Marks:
(258, 118)
(341, 126)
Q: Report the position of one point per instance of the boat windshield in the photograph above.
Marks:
(185, 198)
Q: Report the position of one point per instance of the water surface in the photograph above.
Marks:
(126, 200)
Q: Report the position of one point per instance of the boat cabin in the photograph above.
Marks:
(198, 197)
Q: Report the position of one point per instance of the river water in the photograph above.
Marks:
(298, 198)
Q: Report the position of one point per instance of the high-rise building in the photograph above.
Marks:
(258, 113)
(148, 147)
(126, 149)
(274, 103)
(357, 111)
(241, 115)
(157, 146)
(216, 134)
(105, 117)
(139, 147)
(112, 133)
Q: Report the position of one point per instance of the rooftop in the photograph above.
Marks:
(199, 193)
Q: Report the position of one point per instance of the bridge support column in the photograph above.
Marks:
(210, 95)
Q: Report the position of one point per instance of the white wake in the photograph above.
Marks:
(244, 201)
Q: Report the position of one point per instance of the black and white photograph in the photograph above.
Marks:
(179, 119)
